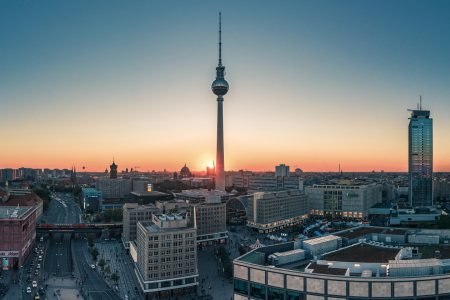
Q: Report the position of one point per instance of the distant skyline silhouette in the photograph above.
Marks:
(314, 84)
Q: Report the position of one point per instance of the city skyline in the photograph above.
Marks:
(314, 85)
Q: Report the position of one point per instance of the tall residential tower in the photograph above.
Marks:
(220, 88)
(420, 156)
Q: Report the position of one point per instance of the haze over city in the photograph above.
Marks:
(313, 84)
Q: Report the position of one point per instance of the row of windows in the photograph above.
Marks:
(169, 237)
(168, 274)
(168, 245)
(156, 253)
(167, 259)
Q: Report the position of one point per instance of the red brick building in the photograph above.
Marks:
(17, 235)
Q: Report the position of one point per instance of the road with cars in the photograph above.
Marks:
(92, 281)
(58, 260)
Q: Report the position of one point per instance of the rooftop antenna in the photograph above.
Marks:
(220, 39)
(420, 102)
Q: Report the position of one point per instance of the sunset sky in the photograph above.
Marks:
(312, 83)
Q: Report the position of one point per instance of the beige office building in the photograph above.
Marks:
(167, 256)
(132, 214)
(270, 211)
(211, 222)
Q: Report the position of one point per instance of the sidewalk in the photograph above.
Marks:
(14, 291)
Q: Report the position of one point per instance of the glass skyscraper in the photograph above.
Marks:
(420, 155)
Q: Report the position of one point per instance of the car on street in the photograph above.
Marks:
(38, 266)
(41, 291)
(34, 284)
(28, 290)
(29, 271)
(36, 296)
(36, 272)
(29, 279)
(93, 266)
(32, 263)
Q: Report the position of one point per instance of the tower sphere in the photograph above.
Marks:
(220, 87)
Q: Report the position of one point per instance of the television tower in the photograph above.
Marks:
(220, 88)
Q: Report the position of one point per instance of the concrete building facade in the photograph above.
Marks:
(113, 188)
(346, 199)
(167, 256)
(211, 223)
(267, 183)
(269, 211)
(132, 214)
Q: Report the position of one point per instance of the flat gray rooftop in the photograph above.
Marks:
(13, 212)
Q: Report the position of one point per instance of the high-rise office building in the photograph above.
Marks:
(420, 156)
(281, 170)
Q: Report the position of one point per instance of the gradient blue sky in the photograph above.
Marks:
(312, 83)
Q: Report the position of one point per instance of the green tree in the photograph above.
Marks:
(115, 277)
(298, 228)
(101, 263)
(107, 270)
(45, 205)
(424, 225)
(90, 241)
(242, 250)
(108, 215)
(94, 253)
(117, 215)
(97, 219)
(443, 222)
(76, 191)
(44, 194)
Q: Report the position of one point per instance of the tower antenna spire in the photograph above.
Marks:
(220, 38)
(420, 102)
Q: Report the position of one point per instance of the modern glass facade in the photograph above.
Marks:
(420, 152)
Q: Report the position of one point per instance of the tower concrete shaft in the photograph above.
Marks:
(220, 88)
(220, 155)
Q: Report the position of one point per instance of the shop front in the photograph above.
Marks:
(9, 259)
(171, 293)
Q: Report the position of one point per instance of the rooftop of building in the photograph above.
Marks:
(360, 231)
(325, 269)
(363, 253)
(15, 212)
(142, 208)
(152, 227)
(149, 194)
(343, 184)
(90, 190)
(203, 193)
(29, 199)
(382, 205)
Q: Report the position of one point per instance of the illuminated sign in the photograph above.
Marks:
(352, 195)
(149, 187)
(9, 253)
